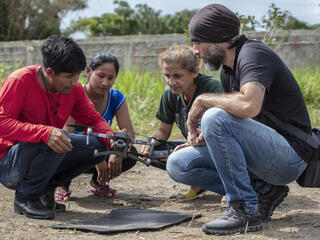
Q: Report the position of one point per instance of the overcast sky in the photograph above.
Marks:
(305, 10)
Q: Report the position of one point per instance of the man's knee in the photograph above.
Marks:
(12, 182)
(174, 168)
(214, 117)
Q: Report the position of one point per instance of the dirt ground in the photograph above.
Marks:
(298, 217)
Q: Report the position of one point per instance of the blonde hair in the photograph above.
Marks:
(180, 54)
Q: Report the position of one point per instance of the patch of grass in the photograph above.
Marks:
(4, 72)
(314, 114)
(144, 89)
(3, 206)
(308, 79)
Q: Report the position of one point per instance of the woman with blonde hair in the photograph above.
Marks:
(184, 83)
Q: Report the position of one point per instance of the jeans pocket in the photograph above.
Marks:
(284, 174)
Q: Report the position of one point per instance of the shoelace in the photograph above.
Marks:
(233, 213)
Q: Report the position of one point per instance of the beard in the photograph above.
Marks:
(214, 57)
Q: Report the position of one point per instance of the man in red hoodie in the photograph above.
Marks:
(36, 155)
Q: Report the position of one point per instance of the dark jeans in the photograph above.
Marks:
(33, 168)
(127, 163)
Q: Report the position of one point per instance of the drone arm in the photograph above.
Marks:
(145, 162)
(130, 155)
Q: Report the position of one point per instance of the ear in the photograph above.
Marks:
(50, 73)
(87, 72)
(196, 72)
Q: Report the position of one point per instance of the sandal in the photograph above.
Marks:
(104, 191)
(63, 197)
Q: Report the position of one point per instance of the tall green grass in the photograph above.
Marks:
(3, 72)
(308, 79)
(144, 89)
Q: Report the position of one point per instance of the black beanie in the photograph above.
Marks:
(214, 24)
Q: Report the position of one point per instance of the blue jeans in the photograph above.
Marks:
(33, 168)
(241, 157)
(164, 146)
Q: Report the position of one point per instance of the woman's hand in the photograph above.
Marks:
(195, 113)
(145, 149)
(102, 169)
(114, 166)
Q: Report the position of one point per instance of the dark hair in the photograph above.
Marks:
(104, 57)
(62, 54)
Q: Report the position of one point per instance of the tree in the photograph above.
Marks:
(247, 23)
(34, 19)
(129, 24)
(122, 22)
(148, 20)
(179, 22)
(294, 23)
(126, 21)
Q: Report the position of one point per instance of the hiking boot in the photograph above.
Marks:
(270, 200)
(232, 221)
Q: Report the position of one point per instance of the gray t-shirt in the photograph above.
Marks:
(173, 108)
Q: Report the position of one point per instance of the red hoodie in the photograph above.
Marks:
(26, 114)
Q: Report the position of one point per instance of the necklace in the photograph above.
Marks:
(52, 106)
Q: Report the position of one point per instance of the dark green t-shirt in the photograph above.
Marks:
(173, 108)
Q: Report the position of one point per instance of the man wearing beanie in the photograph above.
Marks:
(240, 151)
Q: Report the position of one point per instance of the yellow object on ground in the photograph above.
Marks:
(193, 193)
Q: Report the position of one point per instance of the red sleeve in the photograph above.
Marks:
(12, 100)
(84, 113)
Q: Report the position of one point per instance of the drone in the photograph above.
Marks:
(121, 145)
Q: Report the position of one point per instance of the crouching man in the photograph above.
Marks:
(36, 155)
(239, 151)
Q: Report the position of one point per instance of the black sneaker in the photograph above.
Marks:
(234, 220)
(270, 200)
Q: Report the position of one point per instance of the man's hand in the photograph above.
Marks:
(114, 167)
(181, 146)
(198, 140)
(194, 115)
(102, 169)
(59, 142)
